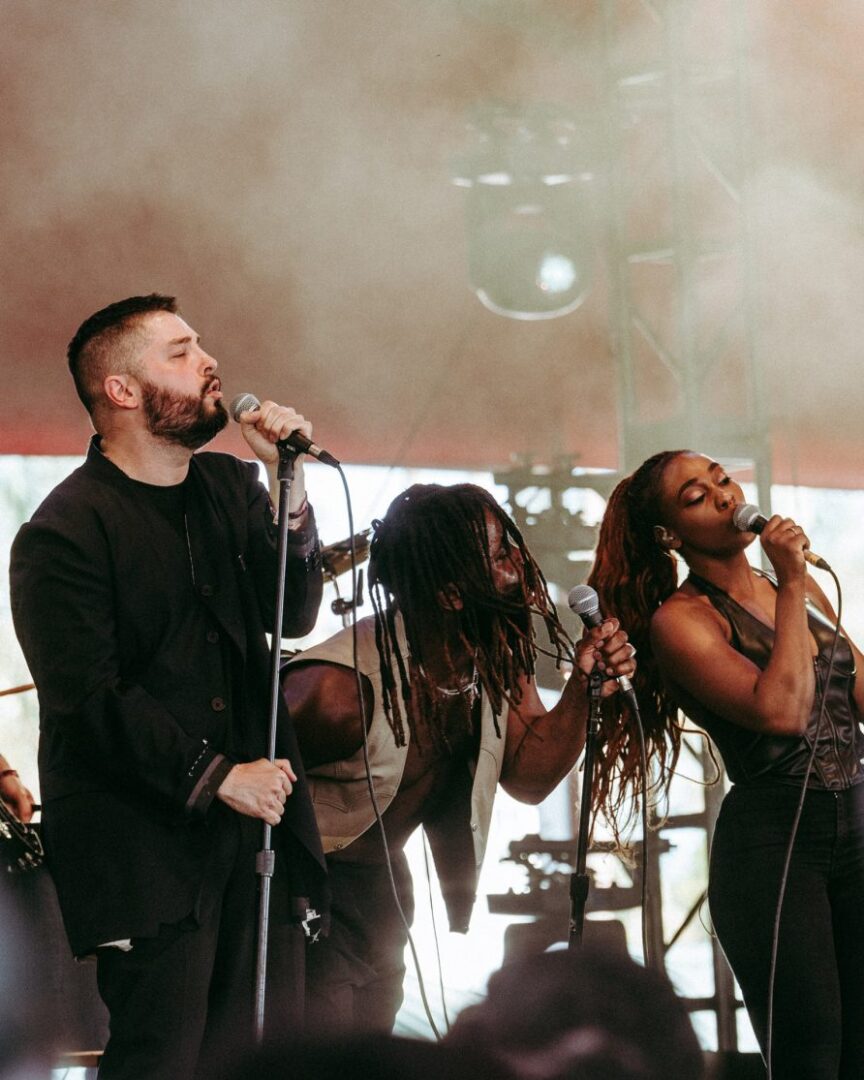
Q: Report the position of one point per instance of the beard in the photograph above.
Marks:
(184, 420)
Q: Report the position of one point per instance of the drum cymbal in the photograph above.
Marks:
(336, 558)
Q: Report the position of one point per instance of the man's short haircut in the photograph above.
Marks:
(101, 345)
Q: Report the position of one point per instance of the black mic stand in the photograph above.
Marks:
(579, 877)
(266, 858)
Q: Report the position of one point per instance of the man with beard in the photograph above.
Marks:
(451, 708)
(142, 591)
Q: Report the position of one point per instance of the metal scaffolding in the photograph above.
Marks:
(677, 149)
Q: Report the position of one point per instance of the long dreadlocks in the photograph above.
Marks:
(433, 543)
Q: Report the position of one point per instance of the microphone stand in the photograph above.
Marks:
(579, 878)
(266, 858)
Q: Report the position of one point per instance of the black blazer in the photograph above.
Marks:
(147, 696)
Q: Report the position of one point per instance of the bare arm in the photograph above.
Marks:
(325, 711)
(543, 746)
(13, 793)
(322, 699)
(263, 428)
(689, 640)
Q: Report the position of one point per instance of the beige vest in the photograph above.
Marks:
(340, 792)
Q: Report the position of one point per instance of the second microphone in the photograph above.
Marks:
(584, 602)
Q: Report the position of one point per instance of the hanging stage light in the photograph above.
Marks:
(529, 254)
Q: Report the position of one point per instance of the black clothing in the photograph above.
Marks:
(749, 755)
(354, 978)
(182, 1002)
(147, 646)
(819, 981)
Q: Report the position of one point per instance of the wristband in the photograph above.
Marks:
(304, 506)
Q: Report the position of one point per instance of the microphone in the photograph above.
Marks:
(295, 441)
(749, 518)
(584, 602)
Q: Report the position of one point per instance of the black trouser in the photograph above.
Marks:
(182, 1003)
(354, 977)
(818, 1028)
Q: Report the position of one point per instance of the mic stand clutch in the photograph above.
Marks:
(266, 858)
(579, 877)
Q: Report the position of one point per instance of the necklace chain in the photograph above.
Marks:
(189, 548)
(470, 687)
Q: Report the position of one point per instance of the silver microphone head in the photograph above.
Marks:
(583, 600)
(746, 518)
(243, 403)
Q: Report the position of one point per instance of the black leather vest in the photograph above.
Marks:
(751, 756)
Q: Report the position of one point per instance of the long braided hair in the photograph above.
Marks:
(633, 575)
(433, 543)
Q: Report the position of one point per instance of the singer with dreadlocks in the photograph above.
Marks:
(747, 656)
(446, 668)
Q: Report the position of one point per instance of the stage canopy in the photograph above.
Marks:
(356, 200)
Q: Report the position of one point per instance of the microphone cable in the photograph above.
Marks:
(645, 897)
(298, 443)
(434, 922)
(644, 893)
(775, 936)
(379, 818)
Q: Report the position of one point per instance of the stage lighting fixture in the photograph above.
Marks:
(529, 251)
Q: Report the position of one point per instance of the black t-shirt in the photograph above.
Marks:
(171, 502)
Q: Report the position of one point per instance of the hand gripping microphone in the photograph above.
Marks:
(295, 441)
(749, 518)
(584, 602)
